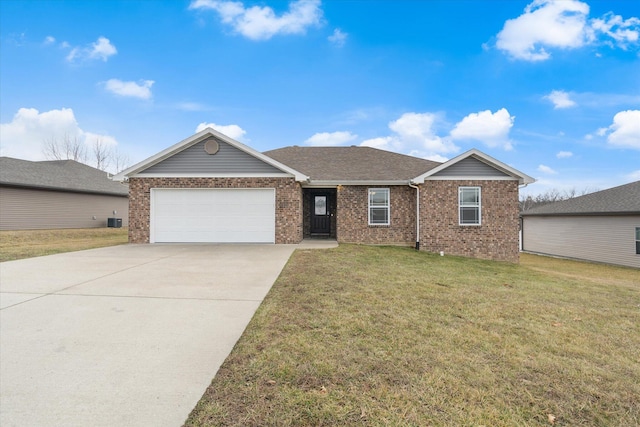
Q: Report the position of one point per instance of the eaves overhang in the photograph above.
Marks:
(63, 189)
(566, 214)
(337, 183)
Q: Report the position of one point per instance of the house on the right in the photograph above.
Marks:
(602, 227)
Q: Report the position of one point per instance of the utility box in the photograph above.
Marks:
(114, 222)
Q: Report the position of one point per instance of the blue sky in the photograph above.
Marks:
(551, 88)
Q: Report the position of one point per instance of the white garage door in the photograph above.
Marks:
(213, 215)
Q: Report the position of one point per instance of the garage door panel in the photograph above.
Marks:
(213, 215)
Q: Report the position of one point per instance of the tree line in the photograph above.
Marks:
(99, 154)
(550, 196)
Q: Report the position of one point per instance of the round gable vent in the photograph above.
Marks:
(211, 146)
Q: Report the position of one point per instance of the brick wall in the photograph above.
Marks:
(353, 223)
(288, 202)
(495, 239)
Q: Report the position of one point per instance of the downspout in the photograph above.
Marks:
(521, 234)
(417, 214)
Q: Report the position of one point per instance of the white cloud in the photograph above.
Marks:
(262, 23)
(75, 53)
(562, 24)
(232, 131)
(623, 32)
(100, 49)
(414, 133)
(625, 130)
(546, 169)
(417, 130)
(338, 37)
(564, 154)
(131, 89)
(24, 136)
(433, 157)
(49, 40)
(634, 176)
(489, 128)
(560, 99)
(602, 131)
(381, 142)
(544, 23)
(326, 139)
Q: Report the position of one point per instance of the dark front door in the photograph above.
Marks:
(320, 214)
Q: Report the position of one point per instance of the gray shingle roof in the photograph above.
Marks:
(351, 163)
(67, 175)
(622, 200)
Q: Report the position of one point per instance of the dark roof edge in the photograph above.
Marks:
(62, 189)
(617, 213)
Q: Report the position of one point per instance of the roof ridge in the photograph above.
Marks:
(395, 153)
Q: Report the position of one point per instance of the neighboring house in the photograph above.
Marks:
(58, 194)
(211, 188)
(603, 226)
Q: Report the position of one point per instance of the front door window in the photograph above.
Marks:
(321, 205)
(321, 214)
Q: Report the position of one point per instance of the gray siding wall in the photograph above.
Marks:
(227, 160)
(24, 209)
(472, 168)
(608, 239)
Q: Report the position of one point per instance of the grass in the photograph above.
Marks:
(387, 336)
(21, 244)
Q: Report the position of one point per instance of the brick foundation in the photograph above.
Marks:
(288, 202)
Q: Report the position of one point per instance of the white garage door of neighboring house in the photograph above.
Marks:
(213, 215)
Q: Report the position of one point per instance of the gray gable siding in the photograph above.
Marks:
(228, 159)
(472, 168)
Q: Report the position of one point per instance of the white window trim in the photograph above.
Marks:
(479, 206)
(388, 207)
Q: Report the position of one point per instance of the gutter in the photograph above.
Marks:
(335, 183)
(417, 214)
(64, 189)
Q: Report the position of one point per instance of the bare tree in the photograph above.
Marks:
(102, 154)
(66, 149)
(120, 160)
(551, 196)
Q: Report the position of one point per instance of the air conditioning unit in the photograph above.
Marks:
(114, 222)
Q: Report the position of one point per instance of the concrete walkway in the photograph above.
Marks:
(127, 335)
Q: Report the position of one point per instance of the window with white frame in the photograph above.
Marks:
(637, 240)
(469, 206)
(379, 206)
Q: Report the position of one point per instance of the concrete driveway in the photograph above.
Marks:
(124, 336)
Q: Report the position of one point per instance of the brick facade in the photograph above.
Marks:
(497, 236)
(353, 221)
(288, 202)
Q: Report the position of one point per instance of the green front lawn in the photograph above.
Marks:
(387, 336)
